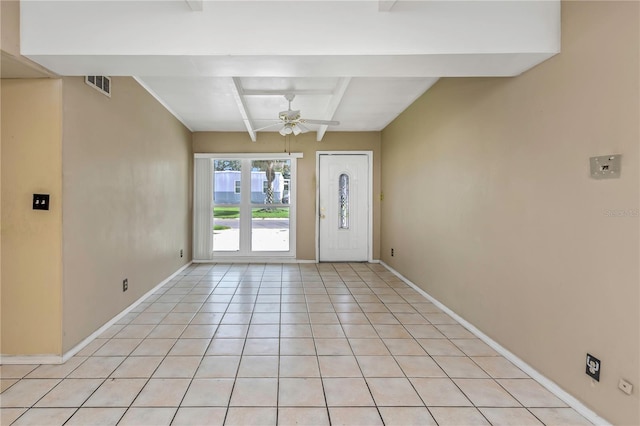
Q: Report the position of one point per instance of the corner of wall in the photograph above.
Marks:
(31, 239)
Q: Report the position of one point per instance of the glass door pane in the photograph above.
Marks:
(270, 229)
(227, 192)
(270, 180)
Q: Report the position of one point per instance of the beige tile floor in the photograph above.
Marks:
(245, 344)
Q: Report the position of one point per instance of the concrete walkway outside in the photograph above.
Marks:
(267, 235)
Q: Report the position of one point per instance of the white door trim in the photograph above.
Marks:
(369, 155)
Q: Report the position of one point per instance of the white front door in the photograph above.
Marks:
(344, 197)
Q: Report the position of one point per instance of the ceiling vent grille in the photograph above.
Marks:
(99, 82)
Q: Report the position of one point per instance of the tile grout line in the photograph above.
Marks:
(315, 348)
(164, 357)
(447, 375)
(235, 378)
(201, 358)
(356, 358)
(401, 369)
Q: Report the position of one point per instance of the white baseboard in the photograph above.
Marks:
(57, 359)
(533, 373)
(224, 260)
(30, 359)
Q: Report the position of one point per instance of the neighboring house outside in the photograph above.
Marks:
(226, 187)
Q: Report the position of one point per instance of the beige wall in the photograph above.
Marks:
(490, 208)
(214, 142)
(31, 112)
(10, 26)
(127, 200)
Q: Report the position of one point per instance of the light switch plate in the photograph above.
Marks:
(40, 201)
(605, 166)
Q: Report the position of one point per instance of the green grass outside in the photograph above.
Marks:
(220, 227)
(226, 212)
(234, 213)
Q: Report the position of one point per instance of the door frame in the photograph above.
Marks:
(369, 155)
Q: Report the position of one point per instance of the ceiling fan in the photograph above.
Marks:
(292, 122)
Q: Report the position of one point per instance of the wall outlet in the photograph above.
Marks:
(392, 252)
(125, 284)
(181, 253)
(593, 367)
(625, 386)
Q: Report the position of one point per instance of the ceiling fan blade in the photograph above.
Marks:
(303, 128)
(279, 123)
(325, 122)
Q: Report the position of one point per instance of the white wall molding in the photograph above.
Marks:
(238, 259)
(532, 372)
(57, 359)
(30, 359)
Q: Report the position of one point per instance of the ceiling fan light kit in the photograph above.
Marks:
(290, 128)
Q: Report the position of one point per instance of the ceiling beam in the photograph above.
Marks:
(196, 5)
(236, 89)
(386, 5)
(334, 103)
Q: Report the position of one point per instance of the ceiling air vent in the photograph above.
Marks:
(101, 83)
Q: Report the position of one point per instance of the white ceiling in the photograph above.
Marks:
(208, 103)
(226, 65)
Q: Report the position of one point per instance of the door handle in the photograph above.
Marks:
(322, 216)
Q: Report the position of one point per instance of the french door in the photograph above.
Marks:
(251, 211)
